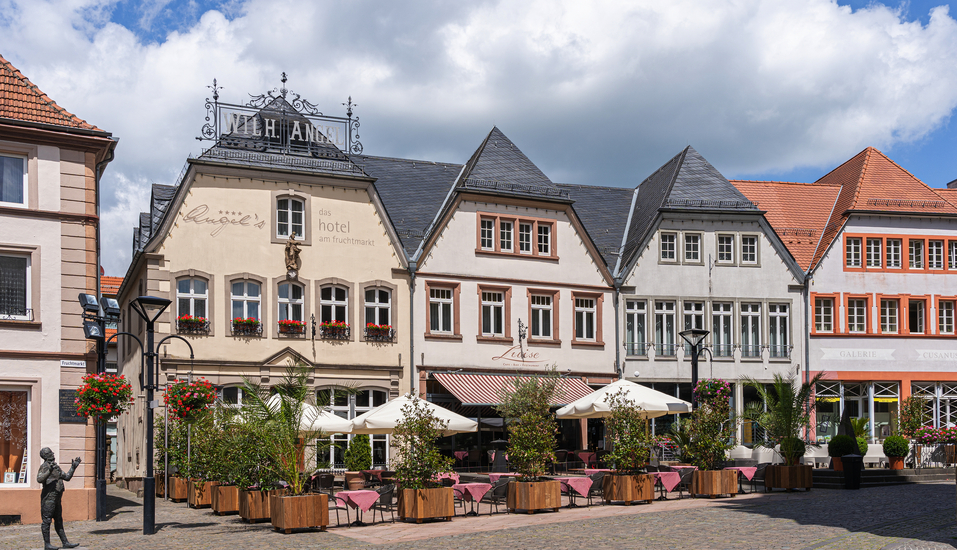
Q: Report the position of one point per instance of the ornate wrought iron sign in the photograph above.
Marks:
(280, 121)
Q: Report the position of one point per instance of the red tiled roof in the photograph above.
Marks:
(797, 211)
(110, 286)
(20, 99)
(484, 389)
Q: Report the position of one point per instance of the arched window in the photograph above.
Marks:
(192, 298)
(379, 306)
(290, 302)
(349, 406)
(289, 217)
(246, 297)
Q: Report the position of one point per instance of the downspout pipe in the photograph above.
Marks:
(618, 368)
(413, 374)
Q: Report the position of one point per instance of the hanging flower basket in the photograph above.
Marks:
(289, 326)
(103, 396)
(187, 400)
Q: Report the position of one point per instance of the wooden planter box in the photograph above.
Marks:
(178, 489)
(420, 504)
(628, 489)
(254, 504)
(225, 499)
(714, 483)
(534, 495)
(201, 493)
(789, 477)
(299, 512)
(160, 486)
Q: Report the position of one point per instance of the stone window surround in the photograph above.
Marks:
(556, 302)
(757, 250)
(516, 220)
(456, 289)
(31, 152)
(394, 309)
(700, 260)
(306, 285)
(210, 292)
(356, 322)
(599, 298)
(33, 252)
(306, 238)
(735, 256)
(507, 314)
(264, 303)
(677, 250)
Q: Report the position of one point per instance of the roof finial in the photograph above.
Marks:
(349, 105)
(283, 90)
(215, 90)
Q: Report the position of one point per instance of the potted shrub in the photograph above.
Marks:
(838, 446)
(532, 441)
(417, 463)
(171, 449)
(783, 411)
(895, 448)
(291, 326)
(284, 420)
(357, 457)
(711, 436)
(628, 431)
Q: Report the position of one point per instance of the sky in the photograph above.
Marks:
(600, 92)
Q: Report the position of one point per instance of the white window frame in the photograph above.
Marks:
(852, 252)
(779, 335)
(664, 336)
(752, 257)
(636, 325)
(349, 411)
(287, 305)
(669, 247)
(918, 307)
(441, 310)
(525, 237)
(890, 316)
(493, 309)
(945, 316)
(543, 308)
(725, 248)
(692, 247)
(290, 225)
(857, 311)
(874, 253)
(951, 254)
(915, 254)
(28, 453)
(239, 396)
(544, 239)
(586, 309)
(506, 235)
(692, 316)
(28, 289)
(751, 330)
(26, 187)
(192, 296)
(824, 314)
(935, 254)
(487, 233)
(376, 305)
(334, 304)
(246, 299)
(722, 328)
(894, 251)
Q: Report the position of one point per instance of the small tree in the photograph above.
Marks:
(711, 430)
(784, 409)
(358, 456)
(627, 429)
(531, 426)
(417, 461)
(912, 416)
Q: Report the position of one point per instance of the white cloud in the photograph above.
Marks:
(600, 92)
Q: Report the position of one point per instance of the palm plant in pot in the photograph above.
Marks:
(627, 428)
(417, 463)
(783, 410)
(532, 440)
(711, 436)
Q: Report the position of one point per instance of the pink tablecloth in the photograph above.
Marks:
(359, 499)
(581, 485)
(747, 471)
(587, 457)
(448, 475)
(461, 455)
(590, 471)
(494, 477)
(376, 473)
(472, 491)
(669, 480)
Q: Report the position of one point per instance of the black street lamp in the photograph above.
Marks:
(694, 337)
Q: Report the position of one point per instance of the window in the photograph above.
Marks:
(945, 317)
(378, 306)
(857, 315)
(541, 325)
(488, 234)
(525, 238)
(952, 255)
(289, 217)
(873, 252)
(191, 298)
(749, 249)
(14, 437)
(505, 236)
(665, 328)
(692, 247)
(852, 251)
(493, 314)
(824, 314)
(750, 330)
(726, 248)
(780, 337)
(232, 396)
(668, 243)
(693, 318)
(440, 310)
(889, 316)
(544, 239)
(916, 254)
(721, 329)
(585, 318)
(13, 180)
(635, 322)
(348, 406)
(915, 316)
(15, 288)
(246, 298)
(290, 302)
(894, 253)
(333, 304)
(935, 254)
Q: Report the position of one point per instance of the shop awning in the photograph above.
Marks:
(484, 389)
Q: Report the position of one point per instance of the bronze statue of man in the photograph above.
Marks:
(51, 478)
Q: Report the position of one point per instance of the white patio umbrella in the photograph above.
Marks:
(314, 418)
(382, 419)
(653, 403)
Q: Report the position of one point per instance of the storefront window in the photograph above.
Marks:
(13, 435)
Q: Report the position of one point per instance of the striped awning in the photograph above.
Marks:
(484, 389)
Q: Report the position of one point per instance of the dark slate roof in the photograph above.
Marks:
(499, 167)
(686, 182)
(603, 211)
(412, 192)
(160, 197)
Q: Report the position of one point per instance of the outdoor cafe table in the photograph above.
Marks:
(667, 480)
(361, 500)
(581, 485)
(461, 455)
(494, 477)
(472, 492)
(375, 473)
(587, 457)
(448, 475)
(747, 472)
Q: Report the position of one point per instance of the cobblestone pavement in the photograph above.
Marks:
(909, 517)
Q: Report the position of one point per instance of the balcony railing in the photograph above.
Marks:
(780, 352)
(242, 328)
(335, 332)
(192, 326)
(723, 350)
(666, 350)
(374, 334)
(639, 349)
(751, 351)
(9, 313)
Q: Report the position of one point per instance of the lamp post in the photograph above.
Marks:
(694, 337)
(95, 317)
